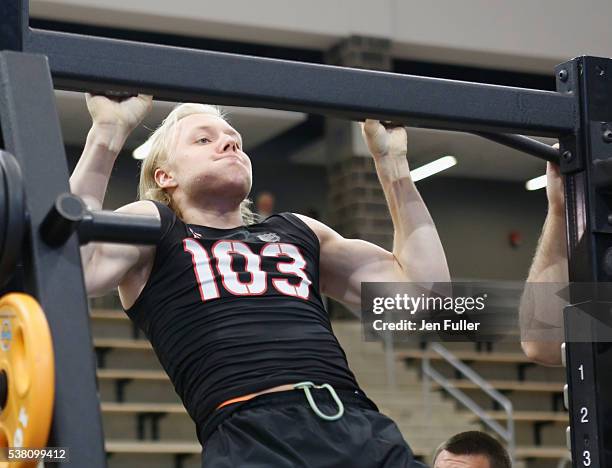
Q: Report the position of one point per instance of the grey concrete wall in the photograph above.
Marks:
(474, 219)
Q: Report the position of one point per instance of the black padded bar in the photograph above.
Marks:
(109, 226)
(81, 62)
(524, 144)
(69, 214)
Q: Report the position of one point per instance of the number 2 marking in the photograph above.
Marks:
(584, 412)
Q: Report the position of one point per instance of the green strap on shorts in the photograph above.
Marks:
(306, 386)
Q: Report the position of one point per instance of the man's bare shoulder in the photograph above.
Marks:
(323, 231)
(137, 276)
(141, 255)
(140, 207)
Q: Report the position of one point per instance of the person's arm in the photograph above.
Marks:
(549, 266)
(105, 265)
(417, 254)
(112, 123)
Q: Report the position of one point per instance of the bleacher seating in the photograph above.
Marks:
(146, 425)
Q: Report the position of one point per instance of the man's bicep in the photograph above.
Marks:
(108, 266)
(109, 263)
(347, 263)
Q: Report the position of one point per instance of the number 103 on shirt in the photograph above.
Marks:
(223, 252)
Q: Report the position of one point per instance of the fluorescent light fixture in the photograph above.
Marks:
(537, 183)
(433, 167)
(142, 151)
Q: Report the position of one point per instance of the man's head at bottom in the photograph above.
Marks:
(472, 449)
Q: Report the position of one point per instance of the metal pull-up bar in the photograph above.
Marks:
(524, 144)
(80, 62)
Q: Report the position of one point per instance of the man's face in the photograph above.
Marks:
(446, 459)
(207, 158)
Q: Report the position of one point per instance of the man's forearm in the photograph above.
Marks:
(550, 261)
(416, 244)
(93, 170)
(90, 177)
(539, 303)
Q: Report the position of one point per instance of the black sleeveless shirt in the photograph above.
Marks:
(235, 311)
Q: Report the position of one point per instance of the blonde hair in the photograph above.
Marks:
(160, 145)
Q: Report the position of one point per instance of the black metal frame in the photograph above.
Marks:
(578, 114)
(588, 154)
(52, 275)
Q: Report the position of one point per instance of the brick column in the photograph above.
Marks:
(357, 206)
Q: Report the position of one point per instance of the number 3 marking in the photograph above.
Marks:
(297, 268)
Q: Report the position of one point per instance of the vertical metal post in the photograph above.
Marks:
(14, 25)
(586, 159)
(31, 131)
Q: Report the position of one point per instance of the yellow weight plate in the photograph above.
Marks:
(26, 359)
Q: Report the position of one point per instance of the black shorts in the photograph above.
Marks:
(280, 430)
